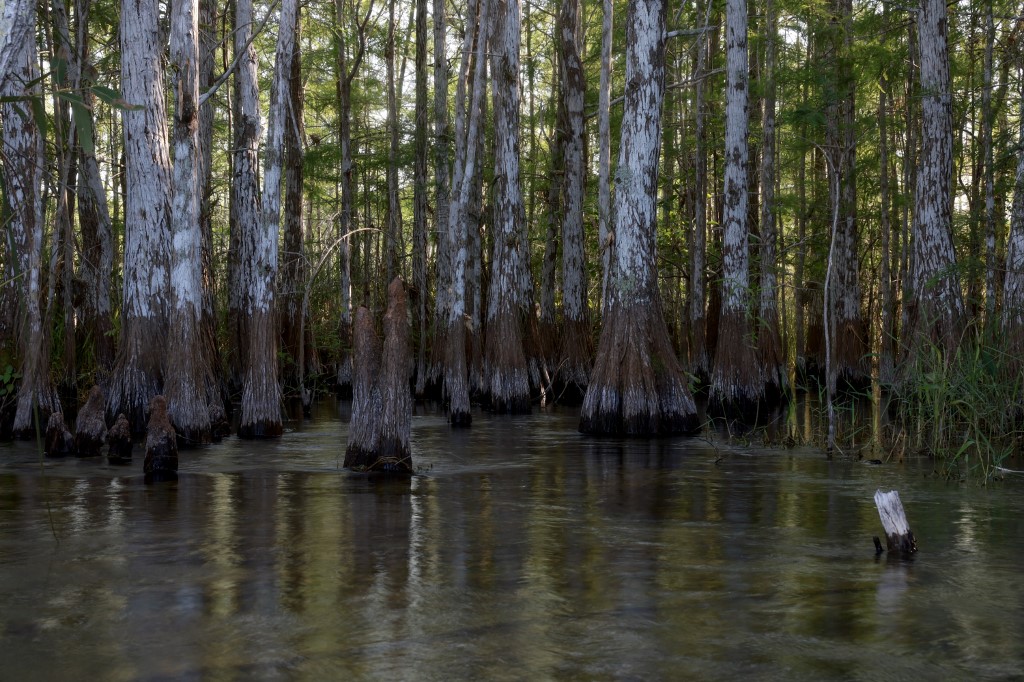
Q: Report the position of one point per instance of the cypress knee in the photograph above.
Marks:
(161, 463)
(119, 441)
(59, 442)
(91, 425)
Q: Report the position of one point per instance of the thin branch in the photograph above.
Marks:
(238, 57)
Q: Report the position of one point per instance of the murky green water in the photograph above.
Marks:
(523, 551)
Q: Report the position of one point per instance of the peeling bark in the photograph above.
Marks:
(505, 368)
(637, 386)
(22, 153)
(577, 345)
(138, 369)
(737, 381)
(189, 381)
(261, 394)
(935, 307)
(382, 404)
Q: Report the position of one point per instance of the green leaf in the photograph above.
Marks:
(59, 65)
(112, 97)
(72, 97)
(83, 121)
(39, 114)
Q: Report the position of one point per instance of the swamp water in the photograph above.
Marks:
(522, 551)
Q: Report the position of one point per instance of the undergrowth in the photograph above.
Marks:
(963, 411)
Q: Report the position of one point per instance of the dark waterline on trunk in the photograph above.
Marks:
(522, 550)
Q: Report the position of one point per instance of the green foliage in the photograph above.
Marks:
(964, 411)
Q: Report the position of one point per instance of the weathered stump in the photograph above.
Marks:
(161, 463)
(381, 399)
(898, 536)
(91, 425)
(58, 442)
(119, 441)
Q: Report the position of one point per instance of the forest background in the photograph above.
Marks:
(197, 196)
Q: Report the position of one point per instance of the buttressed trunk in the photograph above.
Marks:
(637, 386)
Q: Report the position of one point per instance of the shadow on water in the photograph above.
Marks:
(520, 550)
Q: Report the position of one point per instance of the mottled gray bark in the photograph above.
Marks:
(22, 155)
(261, 393)
(577, 345)
(737, 380)
(505, 368)
(637, 386)
(138, 370)
(935, 308)
(188, 379)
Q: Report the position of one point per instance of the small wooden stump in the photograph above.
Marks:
(119, 441)
(898, 536)
(91, 425)
(59, 442)
(161, 463)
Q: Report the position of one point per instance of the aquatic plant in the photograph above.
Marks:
(965, 410)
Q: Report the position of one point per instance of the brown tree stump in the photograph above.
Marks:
(59, 442)
(119, 441)
(381, 397)
(161, 463)
(91, 425)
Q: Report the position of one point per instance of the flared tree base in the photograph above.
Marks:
(637, 387)
(261, 429)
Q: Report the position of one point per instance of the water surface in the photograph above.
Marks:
(522, 550)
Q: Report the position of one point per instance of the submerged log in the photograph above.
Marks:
(119, 441)
(59, 442)
(161, 463)
(898, 536)
(381, 399)
(91, 425)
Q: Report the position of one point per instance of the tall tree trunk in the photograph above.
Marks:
(22, 153)
(66, 161)
(18, 24)
(936, 307)
(139, 365)
(188, 378)
(419, 251)
(208, 320)
(987, 122)
(346, 74)
(637, 386)
(293, 260)
(769, 341)
(553, 216)
(848, 344)
(442, 144)
(886, 350)
(577, 350)
(604, 143)
(393, 239)
(261, 395)
(700, 358)
(245, 198)
(504, 360)
(1013, 284)
(456, 377)
(96, 262)
(737, 382)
